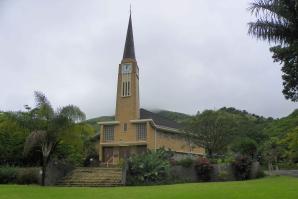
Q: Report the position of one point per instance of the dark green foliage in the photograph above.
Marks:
(203, 169)
(12, 138)
(27, 176)
(8, 175)
(15, 175)
(277, 22)
(242, 167)
(279, 127)
(47, 127)
(187, 162)
(245, 146)
(150, 168)
(260, 174)
(213, 130)
(291, 143)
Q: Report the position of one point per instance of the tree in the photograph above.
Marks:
(278, 22)
(291, 141)
(272, 152)
(245, 146)
(212, 130)
(12, 138)
(47, 126)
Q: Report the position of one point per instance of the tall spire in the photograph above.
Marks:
(129, 49)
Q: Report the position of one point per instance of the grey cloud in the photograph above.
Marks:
(193, 55)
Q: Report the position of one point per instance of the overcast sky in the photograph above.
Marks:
(192, 54)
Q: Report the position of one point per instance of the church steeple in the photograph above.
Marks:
(129, 49)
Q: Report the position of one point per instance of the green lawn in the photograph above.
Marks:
(271, 187)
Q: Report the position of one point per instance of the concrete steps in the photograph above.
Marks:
(93, 177)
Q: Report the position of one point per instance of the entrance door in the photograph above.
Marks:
(124, 152)
(107, 153)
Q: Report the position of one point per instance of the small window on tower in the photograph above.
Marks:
(126, 88)
(125, 127)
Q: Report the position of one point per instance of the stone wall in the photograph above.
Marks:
(221, 172)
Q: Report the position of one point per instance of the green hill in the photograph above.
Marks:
(251, 125)
(279, 127)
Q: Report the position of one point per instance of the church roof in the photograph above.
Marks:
(129, 48)
(159, 120)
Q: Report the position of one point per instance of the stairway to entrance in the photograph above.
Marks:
(93, 177)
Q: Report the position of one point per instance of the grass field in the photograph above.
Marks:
(267, 188)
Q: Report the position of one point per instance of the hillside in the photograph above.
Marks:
(251, 125)
(279, 127)
(93, 121)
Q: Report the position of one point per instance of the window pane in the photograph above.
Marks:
(108, 133)
(141, 132)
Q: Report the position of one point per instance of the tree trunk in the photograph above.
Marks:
(44, 169)
(210, 154)
(270, 167)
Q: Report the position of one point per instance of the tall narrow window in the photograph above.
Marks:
(126, 71)
(108, 133)
(125, 127)
(126, 85)
(141, 131)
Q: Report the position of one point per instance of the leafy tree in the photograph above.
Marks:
(272, 153)
(280, 127)
(213, 130)
(278, 22)
(12, 138)
(291, 140)
(245, 146)
(47, 126)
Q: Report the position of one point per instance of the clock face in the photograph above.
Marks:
(126, 68)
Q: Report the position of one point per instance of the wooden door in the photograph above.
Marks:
(107, 153)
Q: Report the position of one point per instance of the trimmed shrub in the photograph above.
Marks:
(15, 175)
(27, 176)
(242, 167)
(187, 162)
(150, 168)
(203, 169)
(8, 175)
(260, 174)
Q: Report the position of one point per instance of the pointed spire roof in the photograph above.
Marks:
(129, 49)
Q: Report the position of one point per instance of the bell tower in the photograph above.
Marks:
(127, 102)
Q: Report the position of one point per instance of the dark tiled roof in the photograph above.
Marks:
(159, 120)
(129, 49)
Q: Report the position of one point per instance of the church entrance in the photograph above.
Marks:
(113, 155)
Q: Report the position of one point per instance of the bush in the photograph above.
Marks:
(260, 174)
(150, 168)
(223, 176)
(203, 169)
(242, 167)
(245, 146)
(14, 175)
(187, 162)
(8, 175)
(27, 176)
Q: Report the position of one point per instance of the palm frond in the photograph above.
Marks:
(272, 9)
(273, 31)
(43, 105)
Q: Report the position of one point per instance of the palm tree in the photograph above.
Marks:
(277, 22)
(47, 126)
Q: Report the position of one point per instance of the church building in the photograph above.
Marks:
(136, 130)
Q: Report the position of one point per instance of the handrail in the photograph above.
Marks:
(109, 160)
